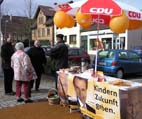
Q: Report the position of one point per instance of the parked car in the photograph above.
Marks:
(118, 62)
(48, 67)
(76, 54)
(46, 49)
(138, 49)
(74, 57)
(27, 49)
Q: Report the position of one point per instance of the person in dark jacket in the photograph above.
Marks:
(38, 59)
(60, 55)
(7, 51)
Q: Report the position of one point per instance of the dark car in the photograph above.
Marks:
(118, 62)
(27, 49)
(76, 54)
(46, 49)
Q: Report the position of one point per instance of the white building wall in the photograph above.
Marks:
(70, 31)
(107, 33)
(134, 38)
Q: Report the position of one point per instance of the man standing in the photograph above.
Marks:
(38, 58)
(6, 52)
(60, 55)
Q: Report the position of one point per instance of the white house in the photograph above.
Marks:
(77, 37)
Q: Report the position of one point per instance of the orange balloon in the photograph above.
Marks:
(83, 19)
(60, 19)
(86, 26)
(134, 24)
(119, 24)
(70, 21)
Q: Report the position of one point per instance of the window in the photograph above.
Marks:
(43, 32)
(40, 20)
(106, 54)
(73, 52)
(83, 44)
(92, 45)
(39, 34)
(65, 38)
(72, 39)
(133, 56)
(123, 55)
(107, 43)
(122, 42)
(48, 31)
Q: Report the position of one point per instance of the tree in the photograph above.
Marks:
(29, 12)
(29, 8)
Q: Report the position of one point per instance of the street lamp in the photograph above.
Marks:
(0, 33)
(5, 26)
(0, 24)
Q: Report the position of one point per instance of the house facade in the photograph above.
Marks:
(43, 28)
(86, 38)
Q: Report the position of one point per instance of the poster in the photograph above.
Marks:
(99, 98)
(62, 85)
(104, 98)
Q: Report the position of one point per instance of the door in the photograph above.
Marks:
(83, 43)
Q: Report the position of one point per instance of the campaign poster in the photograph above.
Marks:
(104, 98)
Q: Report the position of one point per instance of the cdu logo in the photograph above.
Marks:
(65, 7)
(106, 11)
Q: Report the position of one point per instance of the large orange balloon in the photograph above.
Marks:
(119, 24)
(86, 26)
(70, 21)
(60, 19)
(83, 19)
(134, 24)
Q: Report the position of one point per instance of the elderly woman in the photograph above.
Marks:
(23, 72)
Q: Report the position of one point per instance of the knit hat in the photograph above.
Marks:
(61, 36)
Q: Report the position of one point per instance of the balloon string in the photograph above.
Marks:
(98, 28)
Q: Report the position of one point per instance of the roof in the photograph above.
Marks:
(47, 10)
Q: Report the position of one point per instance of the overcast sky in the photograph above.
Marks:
(18, 7)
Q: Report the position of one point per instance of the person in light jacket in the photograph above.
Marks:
(23, 72)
